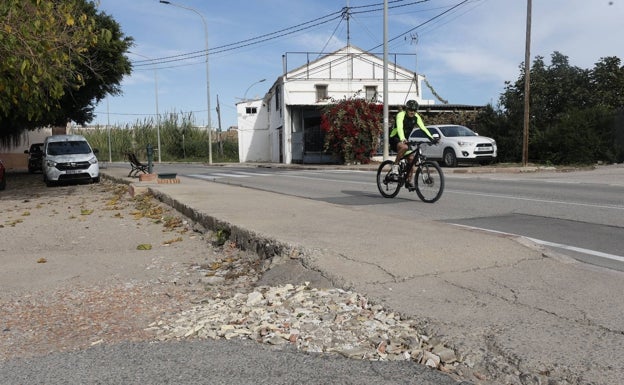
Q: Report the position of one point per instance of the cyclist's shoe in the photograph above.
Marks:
(409, 186)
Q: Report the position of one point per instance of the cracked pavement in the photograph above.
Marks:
(510, 309)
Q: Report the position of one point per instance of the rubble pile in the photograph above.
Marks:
(313, 320)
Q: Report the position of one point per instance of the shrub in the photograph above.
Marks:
(352, 129)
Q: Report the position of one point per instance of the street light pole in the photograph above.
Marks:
(252, 84)
(157, 114)
(208, 124)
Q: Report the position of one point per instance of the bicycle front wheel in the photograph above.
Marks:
(429, 182)
(387, 183)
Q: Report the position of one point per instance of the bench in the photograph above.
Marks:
(137, 166)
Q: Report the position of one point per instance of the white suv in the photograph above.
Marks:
(69, 158)
(458, 144)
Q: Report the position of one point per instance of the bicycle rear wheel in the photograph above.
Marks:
(388, 185)
(429, 182)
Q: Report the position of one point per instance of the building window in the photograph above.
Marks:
(251, 110)
(371, 93)
(321, 92)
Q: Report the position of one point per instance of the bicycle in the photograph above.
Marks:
(428, 178)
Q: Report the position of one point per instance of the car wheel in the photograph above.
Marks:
(449, 158)
(96, 180)
(48, 182)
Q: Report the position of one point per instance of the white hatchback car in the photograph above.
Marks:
(458, 144)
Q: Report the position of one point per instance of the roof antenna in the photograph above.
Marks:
(414, 41)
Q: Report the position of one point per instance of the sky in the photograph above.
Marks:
(467, 49)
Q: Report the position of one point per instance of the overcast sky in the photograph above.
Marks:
(466, 49)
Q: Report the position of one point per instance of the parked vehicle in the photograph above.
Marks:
(69, 158)
(2, 176)
(35, 155)
(458, 144)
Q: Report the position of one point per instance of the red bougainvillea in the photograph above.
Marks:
(352, 129)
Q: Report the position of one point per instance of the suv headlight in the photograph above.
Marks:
(93, 160)
(50, 163)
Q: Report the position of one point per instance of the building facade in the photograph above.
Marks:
(284, 126)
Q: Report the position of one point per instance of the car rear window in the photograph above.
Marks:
(68, 148)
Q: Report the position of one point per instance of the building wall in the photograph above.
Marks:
(346, 74)
(14, 158)
(253, 132)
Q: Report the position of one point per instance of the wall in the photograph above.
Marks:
(14, 158)
(253, 132)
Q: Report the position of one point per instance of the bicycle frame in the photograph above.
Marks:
(429, 178)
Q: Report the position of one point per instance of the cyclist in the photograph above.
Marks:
(406, 120)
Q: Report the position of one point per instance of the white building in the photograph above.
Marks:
(284, 126)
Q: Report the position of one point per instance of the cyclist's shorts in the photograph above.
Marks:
(392, 142)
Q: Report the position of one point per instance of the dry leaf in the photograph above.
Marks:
(178, 239)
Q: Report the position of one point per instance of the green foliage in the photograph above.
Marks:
(58, 59)
(352, 129)
(179, 140)
(574, 114)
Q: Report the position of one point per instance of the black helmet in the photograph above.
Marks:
(411, 105)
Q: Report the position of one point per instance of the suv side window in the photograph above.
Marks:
(418, 133)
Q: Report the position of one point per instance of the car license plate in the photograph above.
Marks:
(483, 149)
(73, 171)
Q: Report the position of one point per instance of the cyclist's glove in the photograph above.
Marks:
(434, 140)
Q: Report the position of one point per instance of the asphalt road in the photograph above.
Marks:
(579, 214)
(209, 362)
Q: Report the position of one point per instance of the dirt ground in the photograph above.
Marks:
(85, 264)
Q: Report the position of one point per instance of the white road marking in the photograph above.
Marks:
(581, 250)
(616, 207)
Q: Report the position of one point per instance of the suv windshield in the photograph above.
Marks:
(68, 148)
(455, 131)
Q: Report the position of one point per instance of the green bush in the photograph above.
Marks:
(179, 141)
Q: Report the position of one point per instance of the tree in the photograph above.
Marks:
(573, 113)
(607, 83)
(352, 129)
(58, 59)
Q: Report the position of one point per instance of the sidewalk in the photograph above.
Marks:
(506, 307)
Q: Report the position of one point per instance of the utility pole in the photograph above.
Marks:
(527, 88)
(386, 113)
(220, 143)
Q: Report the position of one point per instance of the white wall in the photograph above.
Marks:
(345, 73)
(253, 132)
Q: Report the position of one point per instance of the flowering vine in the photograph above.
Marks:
(352, 129)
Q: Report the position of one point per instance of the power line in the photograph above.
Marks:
(246, 42)
(272, 35)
